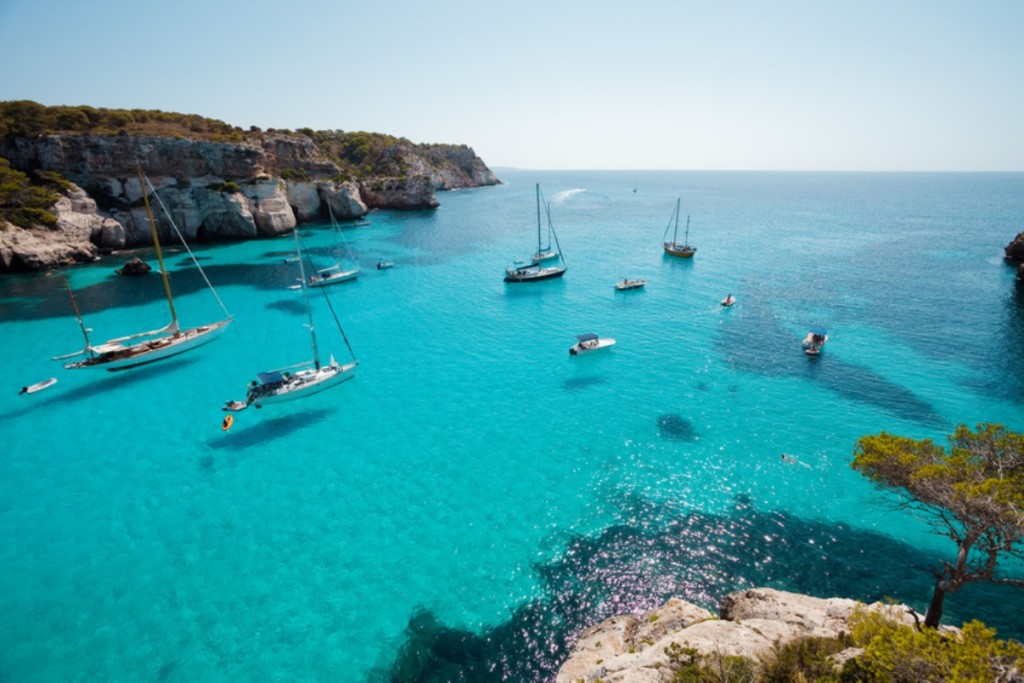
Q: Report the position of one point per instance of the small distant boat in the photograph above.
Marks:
(38, 386)
(729, 300)
(675, 247)
(235, 406)
(629, 284)
(536, 271)
(589, 342)
(359, 224)
(814, 340)
(384, 265)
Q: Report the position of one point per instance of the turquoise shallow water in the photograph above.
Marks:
(475, 495)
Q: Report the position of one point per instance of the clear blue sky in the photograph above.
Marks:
(589, 84)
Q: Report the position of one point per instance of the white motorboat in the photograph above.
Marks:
(630, 284)
(588, 342)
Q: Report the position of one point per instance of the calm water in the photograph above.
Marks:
(476, 495)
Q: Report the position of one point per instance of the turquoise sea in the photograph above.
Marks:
(475, 496)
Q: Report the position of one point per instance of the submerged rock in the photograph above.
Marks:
(673, 426)
(134, 267)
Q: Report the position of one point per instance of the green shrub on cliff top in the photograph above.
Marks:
(24, 118)
(23, 202)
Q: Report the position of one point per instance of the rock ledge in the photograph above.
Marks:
(631, 649)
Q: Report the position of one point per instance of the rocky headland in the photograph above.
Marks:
(636, 649)
(221, 184)
(1014, 254)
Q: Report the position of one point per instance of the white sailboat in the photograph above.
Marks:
(675, 247)
(338, 272)
(146, 347)
(536, 270)
(302, 379)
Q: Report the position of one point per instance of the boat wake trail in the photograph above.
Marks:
(561, 197)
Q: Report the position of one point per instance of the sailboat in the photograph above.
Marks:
(302, 379)
(338, 272)
(546, 252)
(675, 247)
(536, 270)
(145, 347)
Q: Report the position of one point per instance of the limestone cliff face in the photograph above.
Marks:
(74, 239)
(212, 190)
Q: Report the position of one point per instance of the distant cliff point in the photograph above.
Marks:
(70, 187)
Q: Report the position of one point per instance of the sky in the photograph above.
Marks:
(860, 85)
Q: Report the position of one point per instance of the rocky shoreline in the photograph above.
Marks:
(215, 191)
(635, 649)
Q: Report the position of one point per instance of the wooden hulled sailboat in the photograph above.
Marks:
(143, 348)
(547, 263)
(675, 247)
(302, 379)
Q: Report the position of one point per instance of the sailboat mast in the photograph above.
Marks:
(538, 218)
(159, 253)
(74, 305)
(675, 233)
(305, 299)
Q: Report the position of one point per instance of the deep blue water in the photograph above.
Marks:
(475, 495)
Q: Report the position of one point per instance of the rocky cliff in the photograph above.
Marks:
(632, 649)
(1015, 254)
(262, 186)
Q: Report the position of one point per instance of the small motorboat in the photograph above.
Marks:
(589, 342)
(729, 300)
(626, 283)
(38, 386)
(384, 265)
(235, 406)
(814, 340)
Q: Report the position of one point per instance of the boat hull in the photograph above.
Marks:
(39, 386)
(533, 274)
(153, 350)
(333, 278)
(587, 347)
(306, 383)
(679, 250)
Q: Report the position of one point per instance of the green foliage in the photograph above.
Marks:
(228, 187)
(805, 659)
(690, 666)
(974, 494)
(899, 653)
(24, 118)
(23, 202)
(294, 174)
(362, 154)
